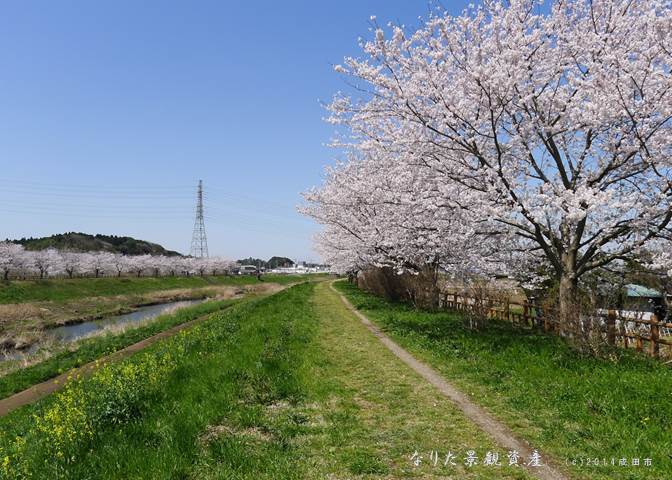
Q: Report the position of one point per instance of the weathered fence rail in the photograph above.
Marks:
(616, 327)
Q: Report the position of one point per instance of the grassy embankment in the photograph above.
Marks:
(290, 386)
(35, 306)
(569, 405)
(84, 351)
(52, 360)
(61, 290)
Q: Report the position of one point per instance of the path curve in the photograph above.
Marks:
(497, 430)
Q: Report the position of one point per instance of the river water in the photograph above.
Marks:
(75, 331)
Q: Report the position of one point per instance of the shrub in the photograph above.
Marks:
(114, 394)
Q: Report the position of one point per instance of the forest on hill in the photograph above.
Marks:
(83, 242)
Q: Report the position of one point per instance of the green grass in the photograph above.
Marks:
(132, 420)
(96, 347)
(376, 412)
(569, 405)
(290, 386)
(61, 290)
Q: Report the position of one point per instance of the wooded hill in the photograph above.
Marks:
(83, 242)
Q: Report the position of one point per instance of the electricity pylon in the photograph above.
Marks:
(199, 242)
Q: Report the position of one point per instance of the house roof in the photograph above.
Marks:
(641, 291)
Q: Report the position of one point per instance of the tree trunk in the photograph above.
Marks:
(427, 281)
(568, 299)
(566, 304)
(569, 308)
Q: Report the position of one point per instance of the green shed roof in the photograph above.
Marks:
(641, 291)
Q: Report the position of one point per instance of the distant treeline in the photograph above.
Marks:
(83, 242)
(273, 262)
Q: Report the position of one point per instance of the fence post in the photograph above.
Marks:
(611, 327)
(654, 348)
(638, 342)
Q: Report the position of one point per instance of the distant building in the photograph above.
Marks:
(301, 269)
(644, 299)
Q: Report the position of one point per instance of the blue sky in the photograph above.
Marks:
(111, 111)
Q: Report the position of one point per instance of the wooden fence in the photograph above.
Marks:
(625, 329)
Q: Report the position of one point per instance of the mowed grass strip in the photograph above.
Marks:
(369, 412)
(61, 289)
(572, 406)
(90, 349)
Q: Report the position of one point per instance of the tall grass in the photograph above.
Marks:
(171, 409)
(87, 350)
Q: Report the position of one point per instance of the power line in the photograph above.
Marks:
(105, 187)
(149, 203)
(121, 215)
(117, 207)
(95, 194)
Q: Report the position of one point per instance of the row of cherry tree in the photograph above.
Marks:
(16, 262)
(517, 138)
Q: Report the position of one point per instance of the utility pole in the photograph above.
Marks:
(199, 242)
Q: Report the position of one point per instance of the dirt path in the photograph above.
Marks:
(372, 413)
(41, 390)
(498, 431)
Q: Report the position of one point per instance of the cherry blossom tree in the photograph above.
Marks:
(99, 262)
(15, 260)
(11, 258)
(172, 267)
(379, 212)
(157, 264)
(72, 262)
(201, 265)
(45, 261)
(186, 265)
(659, 260)
(218, 265)
(557, 125)
(136, 264)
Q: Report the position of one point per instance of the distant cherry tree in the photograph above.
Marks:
(73, 263)
(45, 261)
(11, 258)
(98, 263)
(15, 261)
